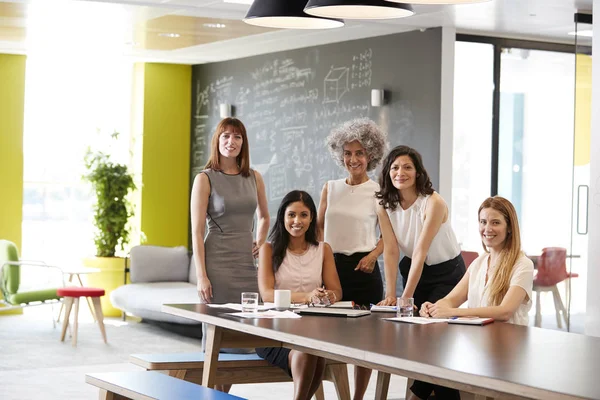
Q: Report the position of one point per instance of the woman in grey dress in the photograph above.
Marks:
(226, 195)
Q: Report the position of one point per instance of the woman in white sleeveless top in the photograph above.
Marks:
(348, 218)
(295, 260)
(498, 284)
(420, 228)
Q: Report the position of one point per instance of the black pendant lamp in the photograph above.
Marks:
(358, 9)
(287, 14)
(439, 1)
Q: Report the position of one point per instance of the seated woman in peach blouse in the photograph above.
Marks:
(295, 260)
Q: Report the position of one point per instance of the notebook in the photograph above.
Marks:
(470, 321)
(333, 312)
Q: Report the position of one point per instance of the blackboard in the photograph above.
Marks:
(289, 101)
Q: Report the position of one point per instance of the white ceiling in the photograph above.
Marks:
(543, 20)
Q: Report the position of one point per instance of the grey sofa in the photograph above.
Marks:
(158, 275)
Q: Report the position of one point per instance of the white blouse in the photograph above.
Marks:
(522, 275)
(408, 225)
(351, 217)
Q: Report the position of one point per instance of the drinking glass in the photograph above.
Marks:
(249, 302)
(405, 306)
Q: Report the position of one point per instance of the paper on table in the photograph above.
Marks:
(293, 306)
(272, 314)
(383, 308)
(236, 306)
(417, 320)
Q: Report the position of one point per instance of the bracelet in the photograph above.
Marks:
(334, 296)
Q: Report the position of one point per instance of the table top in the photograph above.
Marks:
(531, 362)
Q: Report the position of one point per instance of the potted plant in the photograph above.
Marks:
(112, 183)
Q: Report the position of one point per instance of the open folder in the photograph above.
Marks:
(470, 321)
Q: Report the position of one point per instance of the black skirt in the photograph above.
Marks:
(277, 356)
(360, 287)
(436, 280)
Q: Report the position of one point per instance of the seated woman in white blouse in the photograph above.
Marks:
(498, 284)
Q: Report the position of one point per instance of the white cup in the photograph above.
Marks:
(283, 299)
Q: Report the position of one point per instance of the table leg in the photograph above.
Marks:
(214, 335)
(383, 383)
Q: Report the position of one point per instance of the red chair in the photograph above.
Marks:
(71, 296)
(469, 257)
(551, 270)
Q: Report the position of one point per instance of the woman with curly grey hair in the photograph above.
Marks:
(348, 218)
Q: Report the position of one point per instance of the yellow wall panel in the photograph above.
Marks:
(12, 105)
(583, 109)
(166, 154)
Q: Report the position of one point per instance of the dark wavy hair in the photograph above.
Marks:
(279, 236)
(389, 196)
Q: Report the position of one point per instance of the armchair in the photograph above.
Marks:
(17, 295)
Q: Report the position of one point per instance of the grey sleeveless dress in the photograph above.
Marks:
(228, 244)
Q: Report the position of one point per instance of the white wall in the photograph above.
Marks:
(592, 324)
(447, 114)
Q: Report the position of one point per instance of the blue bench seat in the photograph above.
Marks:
(143, 385)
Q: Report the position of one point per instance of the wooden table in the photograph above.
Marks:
(498, 360)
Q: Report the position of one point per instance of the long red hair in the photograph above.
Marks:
(243, 159)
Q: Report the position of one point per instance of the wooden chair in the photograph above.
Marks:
(71, 296)
(551, 270)
(144, 385)
(236, 369)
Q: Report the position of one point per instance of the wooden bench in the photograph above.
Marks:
(144, 385)
(236, 369)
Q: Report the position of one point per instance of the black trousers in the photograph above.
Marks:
(435, 283)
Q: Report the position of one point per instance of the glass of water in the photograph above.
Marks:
(405, 306)
(249, 302)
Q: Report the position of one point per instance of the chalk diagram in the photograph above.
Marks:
(336, 84)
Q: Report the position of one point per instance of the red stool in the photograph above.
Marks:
(72, 295)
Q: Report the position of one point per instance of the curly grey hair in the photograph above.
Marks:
(363, 130)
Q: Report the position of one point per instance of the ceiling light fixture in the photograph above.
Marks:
(169, 35)
(213, 25)
(287, 14)
(438, 1)
(358, 9)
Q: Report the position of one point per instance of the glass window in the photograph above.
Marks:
(78, 91)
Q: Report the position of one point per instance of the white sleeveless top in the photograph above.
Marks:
(351, 217)
(408, 225)
(522, 275)
(301, 272)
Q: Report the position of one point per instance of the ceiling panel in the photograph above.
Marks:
(148, 24)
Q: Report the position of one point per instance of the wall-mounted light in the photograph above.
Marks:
(225, 110)
(377, 97)
(288, 14)
(358, 9)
